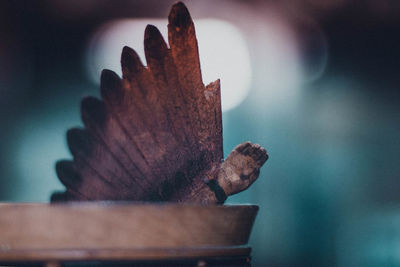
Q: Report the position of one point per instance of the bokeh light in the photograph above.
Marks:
(315, 82)
(222, 56)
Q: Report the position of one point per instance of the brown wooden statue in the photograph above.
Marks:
(156, 134)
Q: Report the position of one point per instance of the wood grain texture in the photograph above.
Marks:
(156, 133)
(126, 226)
(150, 254)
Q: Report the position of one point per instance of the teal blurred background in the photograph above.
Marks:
(323, 99)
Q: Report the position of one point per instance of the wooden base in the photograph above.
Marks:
(189, 256)
(122, 254)
(122, 233)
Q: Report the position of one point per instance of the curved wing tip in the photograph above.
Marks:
(130, 62)
(179, 15)
(150, 29)
(106, 73)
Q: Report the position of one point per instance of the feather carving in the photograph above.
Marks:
(156, 133)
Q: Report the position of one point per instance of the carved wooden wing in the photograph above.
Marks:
(156, 134)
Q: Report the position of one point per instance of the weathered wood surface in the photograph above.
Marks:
(88, 226)
(149, 254)
(156, 134)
